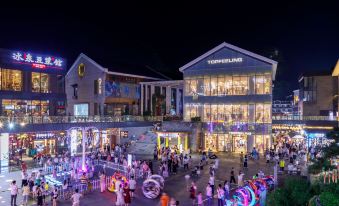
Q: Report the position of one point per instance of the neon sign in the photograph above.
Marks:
(38, 61)
(225, 61)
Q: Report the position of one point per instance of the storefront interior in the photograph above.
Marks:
(177, 141)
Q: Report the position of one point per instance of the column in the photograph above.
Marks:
(146, 97)
(151, 96)
(168, 99)
(250, 142)
(141, 99)
(177, 110)
(83, 167)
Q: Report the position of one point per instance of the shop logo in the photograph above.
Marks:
(225, 61)
(81, 70)
(37, 61)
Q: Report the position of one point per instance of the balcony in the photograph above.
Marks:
(76, 119)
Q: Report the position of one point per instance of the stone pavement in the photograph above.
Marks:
(175, 185)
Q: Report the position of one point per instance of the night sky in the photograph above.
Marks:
(166, 36)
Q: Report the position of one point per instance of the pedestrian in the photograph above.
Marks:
(241, 158)
(102, 182)
(164, 199)
(185, 162)
(76, 198)
(173, 202)
(227, 190)
(268, 157)
(199, 199)
(132, 185)
(211, 182)
(232, 179)
(282, 164)
(193, 192)
(209, 194)
(220, 194)
(245, 162)
(25, 194)
(120, 196)
(240, 178)
(24, 177)
(39, 196)
(14, 192)
(127, 195)
(55, 197)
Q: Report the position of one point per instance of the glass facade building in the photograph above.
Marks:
(31, 84)
(230, 90)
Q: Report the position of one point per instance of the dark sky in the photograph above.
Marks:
(166, 36)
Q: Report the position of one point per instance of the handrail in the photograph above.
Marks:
(305, 118)
(76, 119)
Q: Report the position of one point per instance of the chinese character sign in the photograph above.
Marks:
(38, 61)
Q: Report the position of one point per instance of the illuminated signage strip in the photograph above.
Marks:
(225, 61)
(37, 61)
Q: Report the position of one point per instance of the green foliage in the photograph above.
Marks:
(318, 166)
(329, 199)
(296, 192)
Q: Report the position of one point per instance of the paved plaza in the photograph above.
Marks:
(175, 185)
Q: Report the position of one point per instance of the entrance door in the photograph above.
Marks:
(239, 143)
(211, 142)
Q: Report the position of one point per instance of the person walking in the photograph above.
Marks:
(245, 162)
(132, 186)
(120, 196)
(240, 179)
(209, 194)
(199, 199)
(232, 179)
(220, 194)
(102, 182)
(25, 194)
(227, 190)
(211, 182)
(39, 196)
(193, 189)
(14, 192)
(55, 197)
(164, 199)
(76, 198)
(127, 196)
(282, 164)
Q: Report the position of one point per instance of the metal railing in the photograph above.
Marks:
(76, 119)
(305, 118)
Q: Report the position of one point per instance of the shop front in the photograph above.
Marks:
(31, 144)
(177, 141)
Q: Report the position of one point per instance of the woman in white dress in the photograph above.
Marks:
(120, 196)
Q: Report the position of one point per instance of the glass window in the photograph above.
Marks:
(207, 112)
(259, 84)
(214, 112)
(228, 85)
(207, 86)
(40, 82)
(187, 113)
(228, 113)
(187, 87)
(268, 84)
(240, 85)
(81, 110)
(200, 86)
(11, 80)
(221, 85)
(60, 84)
(221, 113)
(267, 113)
(259, 113)
(214, 86)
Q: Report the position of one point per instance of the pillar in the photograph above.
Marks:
(177, 110)
(168, 99)
(250, 142)
(83, 167)
(151, 96)
(141, 99)
(146, 97)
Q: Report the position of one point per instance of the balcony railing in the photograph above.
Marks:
(76, 119)
(305, 118)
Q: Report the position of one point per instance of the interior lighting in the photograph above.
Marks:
(1, 125)
(22, 124)
(11, 125)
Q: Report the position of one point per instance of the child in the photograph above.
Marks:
(199, 197)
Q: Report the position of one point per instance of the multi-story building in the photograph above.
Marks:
(230, 90)
(31, 84)
(282, 108)
(317, 92)
(95, 90)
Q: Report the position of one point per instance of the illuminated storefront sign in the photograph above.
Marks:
(44, 135)
(37, 61)
(224, 61)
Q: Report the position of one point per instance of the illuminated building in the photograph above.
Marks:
(230, 90)
(31, 84)
(95, 90)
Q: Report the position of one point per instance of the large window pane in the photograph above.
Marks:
(259, 84)
(214, 86)
(221, 113)
(207, 112)
(44, 83)
(228, 85)
(214, 112)
(228, 113)
(267, 113)
(207, 85)
(259, 113)
(11, 80)
(240, 85)
(221, 85)
(35, 82)
(267, 84)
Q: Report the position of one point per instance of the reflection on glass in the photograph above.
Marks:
(11, 80)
